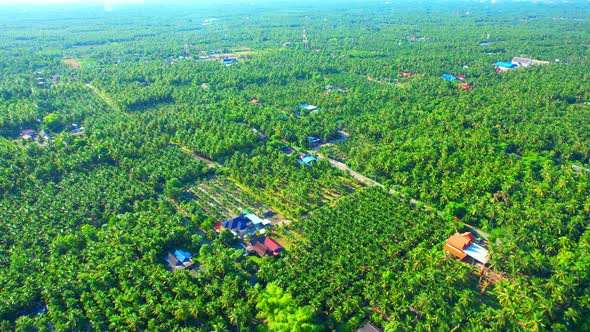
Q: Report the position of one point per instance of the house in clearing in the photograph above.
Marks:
(180, 260)
(29, 134)
(246, 224)
(263, 246)
(462, 246)
(256, 102)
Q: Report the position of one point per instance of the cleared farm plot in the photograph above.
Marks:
(222, 199)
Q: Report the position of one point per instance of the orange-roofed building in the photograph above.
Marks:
(466, 86)
(462, 245)
(461, 240)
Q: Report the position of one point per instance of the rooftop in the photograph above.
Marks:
(308, 107)
(460, 240)
(477, 252)
(505, 64)
(308, 160)
(448, 77)
(461, 246)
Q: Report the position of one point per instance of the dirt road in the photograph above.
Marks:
(372, 183)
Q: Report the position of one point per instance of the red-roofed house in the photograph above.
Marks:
(260, 249)
(274, 248)
(262, 245)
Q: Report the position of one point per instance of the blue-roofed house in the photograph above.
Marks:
(228, 61)
(448, 77)
(180, 260)
(307, 160)
(502, 66)
(238, 225)
(246, 224)
(314, 141)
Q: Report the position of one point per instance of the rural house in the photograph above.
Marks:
(503, 66)
(264, 246)
(307, 160)
(180, 260)
(461, 245)
(246, 224)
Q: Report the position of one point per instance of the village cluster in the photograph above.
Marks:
(246, 227)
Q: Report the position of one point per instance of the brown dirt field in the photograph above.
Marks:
(72, 63)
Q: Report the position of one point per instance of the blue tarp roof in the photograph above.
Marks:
(449, 77)
(182, 256)
(506, 64)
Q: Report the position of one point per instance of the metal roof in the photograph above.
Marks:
(477, 252)
(257, 220)
(506, 64)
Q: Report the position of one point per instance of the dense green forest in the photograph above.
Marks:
(124, 135)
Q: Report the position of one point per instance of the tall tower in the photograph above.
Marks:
(304, 40)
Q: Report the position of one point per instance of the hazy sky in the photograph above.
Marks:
(67, 1)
